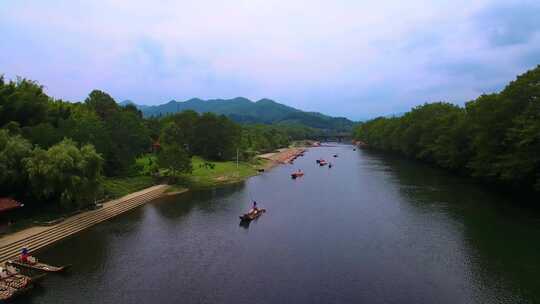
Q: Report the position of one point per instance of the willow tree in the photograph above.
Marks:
(66, 173)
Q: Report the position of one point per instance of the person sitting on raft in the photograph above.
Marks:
(26, 258)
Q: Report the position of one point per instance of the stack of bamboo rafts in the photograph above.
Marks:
(18, 277)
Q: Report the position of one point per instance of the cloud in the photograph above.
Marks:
(510, 23)
(351, 58)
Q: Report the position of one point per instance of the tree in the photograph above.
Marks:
(65, 172)
(216, 137)
(175, 159)
(13, 151)
(496, 137)
(129, 138)
(43, 134)
(22, 101)
(102, 103)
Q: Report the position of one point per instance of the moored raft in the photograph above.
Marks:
(16, 281)
(7, 292)
(37, 266)
(16, 284)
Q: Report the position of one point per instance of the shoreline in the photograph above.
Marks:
(283, 156)
(39, 236)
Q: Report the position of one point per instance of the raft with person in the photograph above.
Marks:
(322, 162)
(42, 267)
(29, 262)
(297, 174)
(252, 214)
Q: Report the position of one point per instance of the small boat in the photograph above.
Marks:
(323, 163)
(297, 174)
(37, 266)
(250, 216)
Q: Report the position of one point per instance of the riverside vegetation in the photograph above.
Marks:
(495, 138)
(60, 156)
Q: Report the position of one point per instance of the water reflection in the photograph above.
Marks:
(374, 229)
(504, 236)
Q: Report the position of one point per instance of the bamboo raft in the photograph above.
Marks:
(248, 217)
(297, 174)
(7, 292)
(15, 285)
(37, 266)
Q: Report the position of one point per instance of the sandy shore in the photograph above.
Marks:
(283, 156)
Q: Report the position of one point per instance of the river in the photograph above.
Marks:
(372, 229)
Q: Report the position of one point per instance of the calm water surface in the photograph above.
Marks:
(372, 229)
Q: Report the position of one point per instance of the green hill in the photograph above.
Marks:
(243, 110)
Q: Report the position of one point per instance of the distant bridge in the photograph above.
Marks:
(339, 137)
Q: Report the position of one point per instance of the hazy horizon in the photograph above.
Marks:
(350, 59)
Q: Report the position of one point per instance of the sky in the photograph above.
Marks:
(352, 58)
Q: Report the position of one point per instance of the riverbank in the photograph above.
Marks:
(205, 175)
(37, 237)
(282, 156)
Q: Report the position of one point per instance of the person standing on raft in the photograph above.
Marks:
(254, 209)
(26, 258)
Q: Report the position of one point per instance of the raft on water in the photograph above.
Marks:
(16, 284)
(37, 266)
(323, 163)
(297, 174)
(250, 216)
(8, 292)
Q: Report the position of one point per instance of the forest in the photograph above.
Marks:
(494, 138)
(60, 153)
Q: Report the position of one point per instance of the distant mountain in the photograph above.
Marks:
(243, 110)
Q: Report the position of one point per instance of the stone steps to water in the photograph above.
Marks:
(78, 223)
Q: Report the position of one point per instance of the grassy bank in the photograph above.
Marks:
(219, 173)
(212, 175)
(115, 187)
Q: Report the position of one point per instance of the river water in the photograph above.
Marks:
(372, 229)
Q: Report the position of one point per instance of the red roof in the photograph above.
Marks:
(7, 203)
